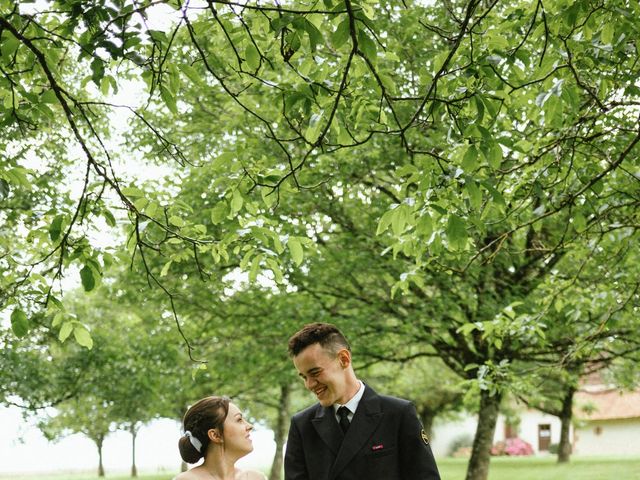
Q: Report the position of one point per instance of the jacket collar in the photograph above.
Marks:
(365, 420)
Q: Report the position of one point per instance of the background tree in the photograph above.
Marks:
(88, 416)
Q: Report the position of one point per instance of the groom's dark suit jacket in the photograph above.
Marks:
(385, 441)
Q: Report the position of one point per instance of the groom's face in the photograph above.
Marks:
(324, 373)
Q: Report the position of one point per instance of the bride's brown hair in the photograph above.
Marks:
(206, 414)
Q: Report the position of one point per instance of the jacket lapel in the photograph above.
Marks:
(328, 428)
(365, 421)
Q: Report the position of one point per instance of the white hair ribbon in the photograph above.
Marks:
(197, 444)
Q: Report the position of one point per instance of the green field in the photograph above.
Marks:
(545, 468)
(87, 476)
(502, 468)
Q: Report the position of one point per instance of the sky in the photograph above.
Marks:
(23, 449)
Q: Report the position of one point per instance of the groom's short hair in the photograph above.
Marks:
(327, 335)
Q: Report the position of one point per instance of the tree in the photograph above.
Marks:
(494, 146)
(88, 416)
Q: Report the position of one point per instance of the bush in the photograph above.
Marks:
(554, 448)
(498, 449)
(512, 447)
(461, 446)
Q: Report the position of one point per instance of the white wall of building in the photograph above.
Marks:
(528, 430)
(445, 432)
(615, 437)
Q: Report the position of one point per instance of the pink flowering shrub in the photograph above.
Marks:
(517, 446)
(512, 447)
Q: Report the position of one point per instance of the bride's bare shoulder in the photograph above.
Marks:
(252, 475)
(188, 475)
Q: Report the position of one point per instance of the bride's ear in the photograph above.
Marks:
(215, 436)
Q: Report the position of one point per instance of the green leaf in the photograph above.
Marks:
(475, 194)
(192, 74)
(245, 259)
(87, 278)
(424, 227)
(315, 126)
(49, 97)
(169, 99)
(367, 46)
(456, 232)
(104, 86)
(255, 267)
(439, 60)
(606, 36)
(57, 319)
(341, 34)
(579, 222)
(553, 112)
(140, 204)
(18, 176)
(384, 221)
(236, 201)
(83, 337)
(275, 268)
(344, 138)
(268, 197)
(109, 218)
(165, 268)
(295, 248)
(467, 328)
(9, 45)
(152, 209)
(65, 331)
(219, 212)
(5, 188)
(479, 108)
(97, 69)
(196, 370)
(399, 219)
(495, 195)
(55, 229)
(176, 221)
(277, 244)
(494, 155)
(315, 36)
(252, 56)
(132, 192)
(19, 323)
(57, 303)
(470, 159)
(388, 83)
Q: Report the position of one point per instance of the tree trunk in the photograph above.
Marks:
(280, 432)
(100, 465)
(478, 468)
(564, 448)
(426, 417)
(183, 466)
(134, 434)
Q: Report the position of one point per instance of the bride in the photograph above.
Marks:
(214, 429)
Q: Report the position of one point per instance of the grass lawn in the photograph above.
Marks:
(88, 476)
(545, 468)
(502, 468)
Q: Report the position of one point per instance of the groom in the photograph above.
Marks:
(352, 433)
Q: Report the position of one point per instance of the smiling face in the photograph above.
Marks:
(326, 374)
(237, 432)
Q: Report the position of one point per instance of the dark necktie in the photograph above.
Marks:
(343, 414)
